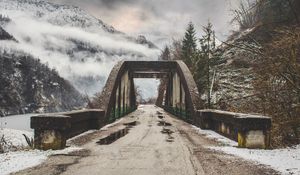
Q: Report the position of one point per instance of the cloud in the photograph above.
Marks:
(161, 20)
(86, 67)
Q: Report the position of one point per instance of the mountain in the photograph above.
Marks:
(4, 35)
(29, 86)
(52, 54)
(82, 48)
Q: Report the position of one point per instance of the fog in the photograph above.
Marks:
(152, 88)
(161, 20)
(57, 46)
(85, 55)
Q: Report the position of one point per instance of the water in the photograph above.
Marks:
(19, 122)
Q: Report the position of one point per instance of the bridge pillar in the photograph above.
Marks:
(168, 96)
(132, 96)
(127, 85)
(175, 97)
(176, 92)
(124, 97)
(117, 104)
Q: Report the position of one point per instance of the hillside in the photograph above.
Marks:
(260, 74)
(79, 47)
(4, 35)
(82, 48)
(29, 86)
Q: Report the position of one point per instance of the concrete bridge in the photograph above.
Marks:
(180, 98)
(181, 94)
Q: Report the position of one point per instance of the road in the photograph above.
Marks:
(150, 148)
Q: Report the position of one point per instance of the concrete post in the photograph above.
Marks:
(50, 132)
(257, 139)
(49, 139)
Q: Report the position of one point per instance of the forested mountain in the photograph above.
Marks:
(79, 46)
(57, 42)
(4, 35)
(28, 86)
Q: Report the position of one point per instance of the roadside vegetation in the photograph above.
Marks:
(267, 45)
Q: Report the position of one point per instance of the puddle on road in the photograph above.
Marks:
(169, 133)
(131, 124)
(163, 123)
(159, 113)
(170, 139)
(120, 132)
(160, 116)
(165, 129)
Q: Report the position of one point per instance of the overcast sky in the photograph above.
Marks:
(160, 20)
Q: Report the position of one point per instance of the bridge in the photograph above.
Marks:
(181, 94)
(179, 98)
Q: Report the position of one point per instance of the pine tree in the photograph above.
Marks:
(165, 55)
(176, 50)
(205, 57)
(189, 45)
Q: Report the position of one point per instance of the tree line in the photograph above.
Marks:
(198, 54)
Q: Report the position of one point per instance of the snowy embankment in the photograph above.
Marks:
(13, 140)
(19, 160)
(286, 161)
(17, 155)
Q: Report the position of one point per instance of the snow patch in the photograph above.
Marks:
(15, 161)
(14, 139)
(111, 125)
(287, 160)
(82, 134)
(215, 136)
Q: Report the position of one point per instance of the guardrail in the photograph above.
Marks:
(250, 131)
(52, 130)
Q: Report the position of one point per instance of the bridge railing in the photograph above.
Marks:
(185, 115)
(116, 113)
(250, 131)
(52, 130)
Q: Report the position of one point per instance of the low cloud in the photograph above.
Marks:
(161, 20)
(57, 46)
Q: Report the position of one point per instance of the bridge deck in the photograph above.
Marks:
(153, 146)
